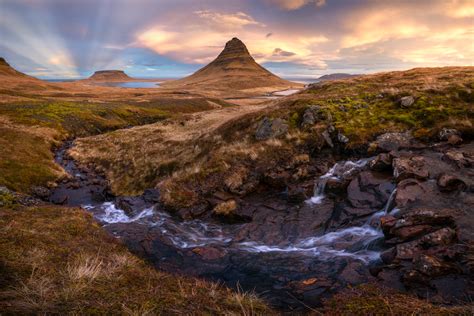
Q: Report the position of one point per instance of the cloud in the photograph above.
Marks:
(229, 20)
(197, 42)
(296, 4)
(281, 52)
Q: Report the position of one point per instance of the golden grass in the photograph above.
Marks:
(56, 260)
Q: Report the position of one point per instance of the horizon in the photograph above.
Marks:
(56, 39)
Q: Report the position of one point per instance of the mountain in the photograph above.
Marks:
(110, 75)
(234, 68)
(336, 76)
(8, 71)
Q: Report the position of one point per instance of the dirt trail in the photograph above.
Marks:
(201, 123)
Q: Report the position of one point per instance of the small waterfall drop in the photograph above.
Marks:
(339, 171)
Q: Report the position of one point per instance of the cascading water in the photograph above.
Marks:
(339, 171)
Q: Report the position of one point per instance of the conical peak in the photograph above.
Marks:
(234, 48)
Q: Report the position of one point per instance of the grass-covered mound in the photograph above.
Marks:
(56, 260)
(30, 130)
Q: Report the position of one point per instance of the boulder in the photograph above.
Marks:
(296, 194)
(458, 158)
(381, 162)
(393, 141)
(327, 138)
(441, 237)
(369, 191)
(448, 183)
(432, 266)
(410, 167)
(342, 138)
(408, 250)
(151, 195)
(455, 140)
(407, 101)
(445, 133)
(40, 192)
(269, 128)
(308, 118)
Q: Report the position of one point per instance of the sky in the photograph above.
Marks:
(292, 38)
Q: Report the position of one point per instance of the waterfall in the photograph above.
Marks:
(339, 171)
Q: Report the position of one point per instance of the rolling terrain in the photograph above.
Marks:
(352, 196)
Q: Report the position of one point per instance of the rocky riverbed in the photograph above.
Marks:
(401, 218)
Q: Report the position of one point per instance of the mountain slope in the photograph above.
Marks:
(234, 68)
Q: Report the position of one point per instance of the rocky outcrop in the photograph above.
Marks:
(110, 75)
(271, 128)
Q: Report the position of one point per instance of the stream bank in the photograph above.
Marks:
(361, 225)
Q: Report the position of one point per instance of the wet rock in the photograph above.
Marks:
(354, 273)
(393, 141)
(130, 204)
(388, 255)
(409, 191)
(448, 183)
(408, 250)
(296, 194)
(432, 266)
(441, 237)
(369, 190)
(269, 128)
(410, 167)
(336, 186)
(151, 196)
(407, 101)
(210, 253)
(445, 133)
(381, 162)
(455, 140)
(409, 232)
(40, 192)
(413, 277)
(327, 138)
(59, 199)
(458, 158)
(276, 179)
(387, 222)
(342, 138)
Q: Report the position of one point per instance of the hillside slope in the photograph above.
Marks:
(234, 68)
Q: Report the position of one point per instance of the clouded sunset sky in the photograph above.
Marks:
(292, 38)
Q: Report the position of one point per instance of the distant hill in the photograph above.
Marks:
(234, 68)
(110, 75)
(8, 71)
(336, 76)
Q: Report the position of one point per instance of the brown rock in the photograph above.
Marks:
(381, 163)
(455, 140)
(449, 183)
(410, 232)
(408, 250)
(443, 236)
(413, 167)
(209, 253)
(432, 266)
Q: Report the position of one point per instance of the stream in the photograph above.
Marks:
(283, 254)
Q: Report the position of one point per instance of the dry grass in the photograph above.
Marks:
(373, 300)
(59, 261)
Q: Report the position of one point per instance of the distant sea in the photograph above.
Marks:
(302, 80)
